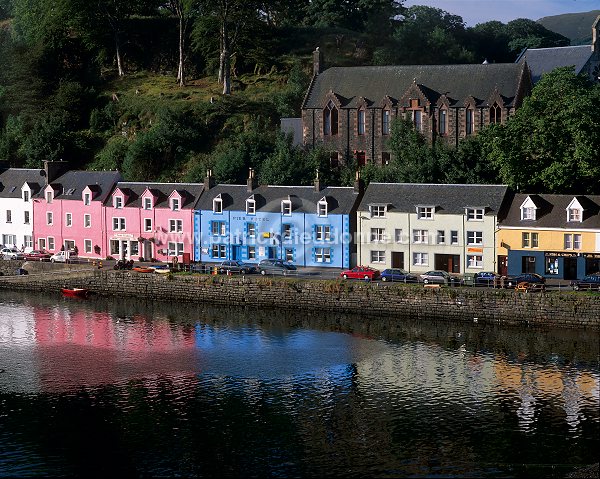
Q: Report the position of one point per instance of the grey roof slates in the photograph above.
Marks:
(162, 191)
(544, 60)
(459, 82)
(17, 177)
(77, 181)
(553, 212)
(449, 199)
(341, 200)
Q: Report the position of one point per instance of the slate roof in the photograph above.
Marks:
(13, 179)
(70, 185)
(340, 200)
(552, 212)
(448, 199)
(190, 193)
(544, 60)
(459, 82)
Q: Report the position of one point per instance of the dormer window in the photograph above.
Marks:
(175, 204)
(425, 212)
(574, 214)
(49, 196)
(26, 196)
(251, 206)
(378, 211)
(87, 198)
(330, 119)
(118, 202)
(147, 203)
(218, 205)
(495, 114)
(475, 214)
(286, 207)
(322, 207)
(528, 213)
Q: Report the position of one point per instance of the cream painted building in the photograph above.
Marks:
(421, 227)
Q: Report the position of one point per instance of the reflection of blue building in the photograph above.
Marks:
(305, 225)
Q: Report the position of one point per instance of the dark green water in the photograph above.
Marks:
(103, 388)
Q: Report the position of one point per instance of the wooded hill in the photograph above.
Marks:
(163, 90)
(575, 26)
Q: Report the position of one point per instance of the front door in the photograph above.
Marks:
(236, 252)
(570, 268)
(271, 252)
(148, 255)
(502, 265)
(124, 250)
(397, 259)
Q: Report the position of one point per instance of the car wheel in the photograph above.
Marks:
(345, 276)
(367, 277)
(576, 287)
(221, 271)
(242, 271)
(263, 272)
(52, 260)
(384, 278)
(510, 284)
(426, 281)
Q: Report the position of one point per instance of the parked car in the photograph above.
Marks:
(37, 255)
(590, 282)
(61, 257)
(11, 253)
(237, 267)
(361, 272)
(438, 276)
(398, 274)
(486, 278)
(274, 266)
(533, 278)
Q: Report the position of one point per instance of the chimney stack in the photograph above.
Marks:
(53, 169)
(209, 181)
(251, 183)
(317, 62)
(359, 184)
(317, 182)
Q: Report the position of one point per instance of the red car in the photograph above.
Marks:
(361, 272)
(37, 255)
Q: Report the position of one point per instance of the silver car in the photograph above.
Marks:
(11, 253)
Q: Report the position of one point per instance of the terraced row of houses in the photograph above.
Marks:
(418, 227)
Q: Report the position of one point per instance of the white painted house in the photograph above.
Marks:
(421, 227)
(18, 186)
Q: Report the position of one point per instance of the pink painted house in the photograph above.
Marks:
(151, 221)
(69, 211)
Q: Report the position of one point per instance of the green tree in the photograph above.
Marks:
(551, 143)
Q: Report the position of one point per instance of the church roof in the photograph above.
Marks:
(544, 60)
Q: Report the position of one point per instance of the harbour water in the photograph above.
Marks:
(104, 388)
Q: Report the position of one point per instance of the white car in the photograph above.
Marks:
(61, 257)
(11, 253)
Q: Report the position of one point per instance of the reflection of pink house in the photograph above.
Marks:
(68, 212)
(151, 220)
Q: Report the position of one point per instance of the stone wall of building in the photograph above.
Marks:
(482, 305)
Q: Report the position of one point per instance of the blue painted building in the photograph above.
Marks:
(305, 225)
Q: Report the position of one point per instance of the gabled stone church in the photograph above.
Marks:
(349, 110)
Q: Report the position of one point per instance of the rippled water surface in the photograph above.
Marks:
(101, 388)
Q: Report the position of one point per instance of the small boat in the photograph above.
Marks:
(75, 292)
(141, 269)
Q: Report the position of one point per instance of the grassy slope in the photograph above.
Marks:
(575, 26)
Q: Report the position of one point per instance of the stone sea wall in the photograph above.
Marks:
(483, 305)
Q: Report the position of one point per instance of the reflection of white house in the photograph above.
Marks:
(17, 187)
(18, 354)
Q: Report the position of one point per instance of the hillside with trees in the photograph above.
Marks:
(164, 90)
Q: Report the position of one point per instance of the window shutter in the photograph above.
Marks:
(331, 255)
(210, 228)
(294, 255)
(314, 255)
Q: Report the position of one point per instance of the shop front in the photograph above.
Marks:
(124, 246)
(566, 265)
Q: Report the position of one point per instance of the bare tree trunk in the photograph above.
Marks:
(180, 71)
(226, 73)
(118, 54)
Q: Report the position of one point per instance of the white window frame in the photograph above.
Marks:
(475, 214)
(398, 235)
(175, 226)
(378, 211)
(118, 202)
(26, 217)
(441, 237)
(474, 238)
(26, 196)
(251, 229)
(475, 261)
(575, 215)
(219, 251)
(420, 259)
(218, 205)
(87, 242)
(49, 196)
(322, 208)
(175, 248)
(251, 206)
(147, 225)
(28, 241)
(454, 237)
(525, 239)
(8, 216)
(147, 203)
(528, 213)
(87, 220)
(175, 204)
(87, 198)
(286, 208)
(323, 255)
(49, 218)
(286, 231)
(42, 244)
(219, 228)
(51, 243)
(425, 213)
(322, 233)
(577, 241)
(118, 223)
(420, 236)
(251, 252)
(68, 220)
(378, 256)
(377, 235)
